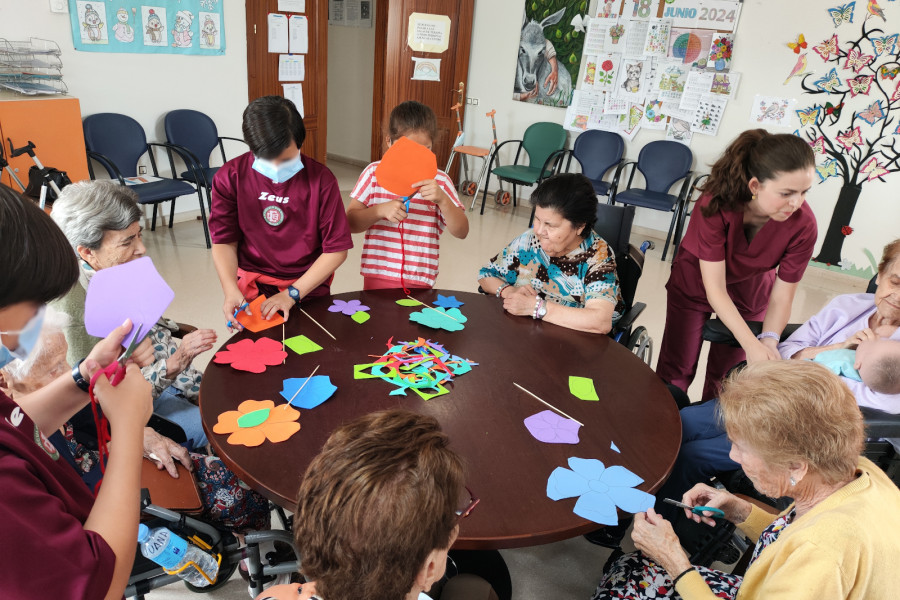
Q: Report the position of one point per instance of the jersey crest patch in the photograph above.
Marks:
(273, 215)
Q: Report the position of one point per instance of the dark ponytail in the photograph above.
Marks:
(754, 153)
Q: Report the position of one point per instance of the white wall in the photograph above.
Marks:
(760, 55)
(351, 61)
(146, 86)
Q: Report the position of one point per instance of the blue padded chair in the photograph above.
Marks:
(117, 142)
(196, 134)
(597, 152)
(543, 143)
(662, 163)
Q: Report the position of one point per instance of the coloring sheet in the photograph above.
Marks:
(709, 114)
(691, 46)
(653, 115)
(770, 110)
(657, 41)
(671, 76)
(632, 82)
(698, 83)
(679, 131)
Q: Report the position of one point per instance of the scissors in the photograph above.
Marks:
(115, 371)
(717, 513)
(236, 311)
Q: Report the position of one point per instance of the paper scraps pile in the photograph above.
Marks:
(422, 366)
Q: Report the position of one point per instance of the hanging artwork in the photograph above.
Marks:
(549, 53)
(160, 27)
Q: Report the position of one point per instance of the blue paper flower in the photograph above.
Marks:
(600, 490)
(447, 301)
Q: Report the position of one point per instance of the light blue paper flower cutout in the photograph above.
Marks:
(447, 301)
(600, 490)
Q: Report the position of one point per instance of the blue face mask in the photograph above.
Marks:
(28, 338)
(278, 173)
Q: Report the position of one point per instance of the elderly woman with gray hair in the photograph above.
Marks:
(796, 431)
(102, 222)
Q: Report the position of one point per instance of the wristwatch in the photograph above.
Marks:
(80, 381)
(294, 293)
(540, 309)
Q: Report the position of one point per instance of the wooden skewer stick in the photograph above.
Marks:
(319, 324)
(304, 384)
(426, 305)
(548, 404)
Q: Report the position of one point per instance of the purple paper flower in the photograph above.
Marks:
(551, 428)
(600, 490)
(348, 308)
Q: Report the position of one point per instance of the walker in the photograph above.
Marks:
(468, 186)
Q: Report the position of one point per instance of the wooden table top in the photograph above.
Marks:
(506, 467)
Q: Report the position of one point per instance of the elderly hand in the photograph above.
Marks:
(654, 536)
(192, 345)
(521, 301)
(280, 302)
(863, 335)
(166, 452)
(393, 211)
(735, 509)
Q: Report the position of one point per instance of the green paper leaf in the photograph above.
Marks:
(441, 390)
(302, 344)
(252, 419)
(582, 388)
(408, 302)
(360, 316)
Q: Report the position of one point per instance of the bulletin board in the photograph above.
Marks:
(157, 27)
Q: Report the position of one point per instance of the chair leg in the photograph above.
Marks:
(203, 217)
(669, 235)
(172, 214)
(484, 195)
(153, 220)
(514, 195)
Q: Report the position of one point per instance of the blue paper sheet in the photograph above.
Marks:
(599, 489)
(447, 301)
(317, 391)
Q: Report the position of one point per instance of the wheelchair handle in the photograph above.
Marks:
(14, 152)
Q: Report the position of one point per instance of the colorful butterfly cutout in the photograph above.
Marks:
(860, 85)
(799, 45)
(827, 48)
(852, 137)
(873, 113)
(808, 116)
(842, 14)
(873, 169)
(829, 169)
(829, 83)
(856, 60)
(896, 94)
(835, 111)
(818, 145)
(884, 44)
(888, 73)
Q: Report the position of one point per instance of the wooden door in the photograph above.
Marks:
(262, 68)
(394, 68)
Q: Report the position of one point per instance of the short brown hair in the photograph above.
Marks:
(795, 410)
(890, 254)
(411, 116)
(380, 496)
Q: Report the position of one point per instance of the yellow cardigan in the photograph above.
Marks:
(847, 546)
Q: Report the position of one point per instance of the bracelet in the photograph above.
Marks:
(682, 574)
(769, 334)
(79, 379)
(499, 291)
(537, 308)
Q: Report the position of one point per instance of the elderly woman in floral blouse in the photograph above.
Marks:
(560, 271)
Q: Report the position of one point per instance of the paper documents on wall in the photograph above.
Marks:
(278, 33)
(294, 93)
(299, 34)
(291, 67)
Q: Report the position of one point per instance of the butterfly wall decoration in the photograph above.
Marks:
(860, 85)
(850, 138)
(829, 83)
(818, 145)
(873, 169)
(808, 116)
(827, 48)
(886, 44)
(799, 45)
(856, 60)
(873, 113)
(829, 169)
(842, 14)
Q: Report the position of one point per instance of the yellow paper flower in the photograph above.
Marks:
(254, 421)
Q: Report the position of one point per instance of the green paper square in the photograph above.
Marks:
(582, 388)
(441, 390)
(360, 316)
(302, 344)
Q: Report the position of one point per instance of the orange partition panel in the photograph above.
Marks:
(54, 125)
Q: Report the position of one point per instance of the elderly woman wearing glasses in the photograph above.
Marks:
(378, 510)
(796, 431)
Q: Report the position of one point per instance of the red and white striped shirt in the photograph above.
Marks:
(382, 253)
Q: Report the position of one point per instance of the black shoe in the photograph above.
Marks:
(609, 537)
(727, 553)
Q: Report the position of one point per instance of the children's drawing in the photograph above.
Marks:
(842, 14)
(631, 79)
(542, 68)
(708, 115)
(873, 169)
(725, 84)
(630, 122)
(181, 33)
(827, 48)
(657, 40)
(690, 45)
(426, 69)
(607, 68)
(209, 30)
(590, 71)
(92, 17)
(209, 4)
(860, 85)
(154, 20)
(856, 60)
(679, 131)
(829, 82)
(608, 8)
(799, 69)
(671, 76)
(653, 117)
(767, 110)
(720, 52)
(886, 44)
(123, 30)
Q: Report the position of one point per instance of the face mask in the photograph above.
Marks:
(28, 337)
(278, 173)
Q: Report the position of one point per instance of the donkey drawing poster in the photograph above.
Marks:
(549, 52)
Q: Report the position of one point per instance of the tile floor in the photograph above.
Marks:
(568, 569)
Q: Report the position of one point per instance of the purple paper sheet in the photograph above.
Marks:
(551, 428)
(134, 290)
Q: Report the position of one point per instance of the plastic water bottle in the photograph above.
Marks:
(172, 552)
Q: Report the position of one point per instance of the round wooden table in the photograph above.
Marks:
(506, 467)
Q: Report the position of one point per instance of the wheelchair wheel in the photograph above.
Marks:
(470, 187)
(502, 197)
(641, 344)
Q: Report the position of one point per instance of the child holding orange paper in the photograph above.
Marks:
(402, 244)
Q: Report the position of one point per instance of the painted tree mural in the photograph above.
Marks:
(853, 124)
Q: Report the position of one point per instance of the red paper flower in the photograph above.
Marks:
(607, 65)
(846, 230)
(250, 355)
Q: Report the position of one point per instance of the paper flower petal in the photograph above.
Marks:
(247, 437)
(279, 432)
(631, 500)
(616, 476)
(564, 483)
(551, 428)
(597, 507)
(589, 468)
(283, 414)
(227, 422)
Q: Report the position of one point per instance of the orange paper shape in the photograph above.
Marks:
(281, 424)
(250, 355)
(404, 164)
(254, 321)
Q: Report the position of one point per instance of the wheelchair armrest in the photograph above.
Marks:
(716, 332)
(629, 317)
(183, 330)
(614, 186)
(111, 169)
(880, 424)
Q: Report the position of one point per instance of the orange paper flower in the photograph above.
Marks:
(254, 421)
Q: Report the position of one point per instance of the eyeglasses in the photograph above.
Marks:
(473, 502)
